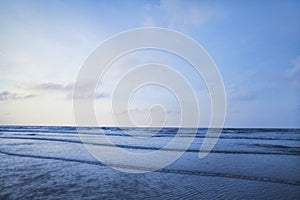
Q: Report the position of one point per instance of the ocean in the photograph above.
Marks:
(51, 162)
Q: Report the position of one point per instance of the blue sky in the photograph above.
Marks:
(255, 45)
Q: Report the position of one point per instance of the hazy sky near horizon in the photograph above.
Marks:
(255, 44)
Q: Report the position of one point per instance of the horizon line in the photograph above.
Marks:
(108, 126)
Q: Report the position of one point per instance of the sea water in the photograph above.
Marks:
(50, 162)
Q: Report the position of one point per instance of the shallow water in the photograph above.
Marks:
(40, 162)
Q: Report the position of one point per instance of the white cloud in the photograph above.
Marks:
(295, 69)
(7, 96)
(38, 46)
(180, 15)
(149, 22)
(293, 73)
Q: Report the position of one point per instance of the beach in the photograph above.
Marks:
(51, 162)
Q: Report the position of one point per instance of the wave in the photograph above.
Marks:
(252, 134)
(292, 151)
(165, 170)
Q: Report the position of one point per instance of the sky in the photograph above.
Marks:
(255, 45)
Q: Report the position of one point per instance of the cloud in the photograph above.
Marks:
(244, 96)
(6, 96)
(237, 92)
(68, 89)
(293, 73)
(53, 89)
(149, 22)
(179, 14)
(183, 13)
(83, 95)
(54, 86)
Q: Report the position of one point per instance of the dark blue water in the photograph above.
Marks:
(42, 162)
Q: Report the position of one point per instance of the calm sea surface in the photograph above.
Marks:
(41, 162)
